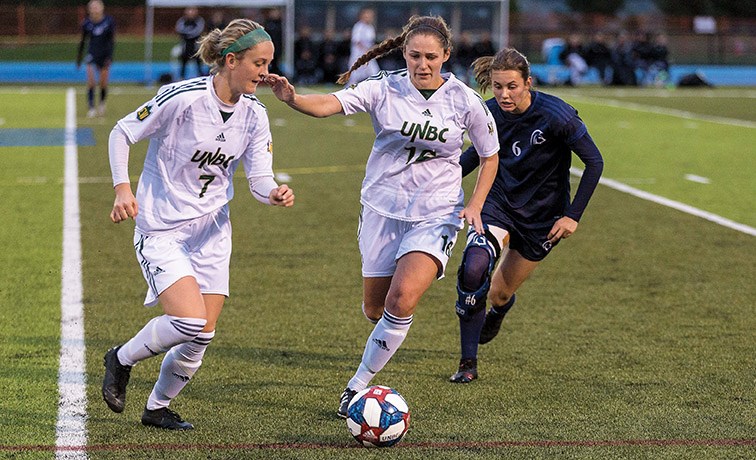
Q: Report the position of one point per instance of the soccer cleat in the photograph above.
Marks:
(491, 327)
(91, 113)
(346, 398)
(115, 381)
(164, 418)
(468, 371)
(101, 109)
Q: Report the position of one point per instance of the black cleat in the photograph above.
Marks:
(491, 327)
(164, 418)
(115, 381)
(468, 371)
(346, 398)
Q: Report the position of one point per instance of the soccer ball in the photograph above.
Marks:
(378, 416)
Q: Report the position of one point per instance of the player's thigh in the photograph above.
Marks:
(183, 298)
(415, 272)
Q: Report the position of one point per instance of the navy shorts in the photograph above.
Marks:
(531, 241)
(101, 62)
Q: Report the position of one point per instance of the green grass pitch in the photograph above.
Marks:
(634, 339)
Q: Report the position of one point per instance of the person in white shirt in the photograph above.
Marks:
(363, 38)
(412, 197)
(199, 132)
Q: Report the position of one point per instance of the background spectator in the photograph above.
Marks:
(599, 56)
(572, 57)
(190, 27)
(273, 24)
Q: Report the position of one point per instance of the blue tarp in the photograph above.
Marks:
(37, 137)
(134, 72)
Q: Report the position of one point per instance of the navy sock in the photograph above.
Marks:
(90, 97)
(103, 94)
(502, 310)
(469, 333)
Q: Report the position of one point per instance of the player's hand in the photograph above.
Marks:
(281, 87)
(472, 215)
(563, 228)
(282, 196)
(125, 205)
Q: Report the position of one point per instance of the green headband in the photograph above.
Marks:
(247, 41)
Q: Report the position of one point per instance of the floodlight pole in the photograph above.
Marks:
(504, 24)
(149, 24)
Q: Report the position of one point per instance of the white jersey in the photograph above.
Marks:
(193, 154)
(363, 38)
(413, 171)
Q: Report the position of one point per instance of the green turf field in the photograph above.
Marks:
(633, 340)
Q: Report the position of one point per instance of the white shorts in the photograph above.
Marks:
(201, 250)
(384, 240)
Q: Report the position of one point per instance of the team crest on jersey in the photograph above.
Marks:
(490, 128)
(144, 112)
(270, 147)
(537, 137)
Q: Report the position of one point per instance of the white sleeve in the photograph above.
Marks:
(261, 188)
(481, 128)
(118, 152)
(258, 160)
(358, 98)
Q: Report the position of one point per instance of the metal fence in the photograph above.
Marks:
(733, 41)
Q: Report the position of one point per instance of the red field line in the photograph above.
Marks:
(417, 445)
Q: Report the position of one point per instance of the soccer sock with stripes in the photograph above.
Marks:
(159, 335)
(103, 95)
(387, 336)
(179, 366)
(469, 333)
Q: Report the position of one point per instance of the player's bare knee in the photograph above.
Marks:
(372, 313)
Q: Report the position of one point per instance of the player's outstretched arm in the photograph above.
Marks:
(315, 105)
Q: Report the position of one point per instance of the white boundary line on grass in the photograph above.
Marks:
(71, 426)
(611, 183)
(664, 111)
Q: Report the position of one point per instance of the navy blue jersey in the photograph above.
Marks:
(533, 181)
(101, 36)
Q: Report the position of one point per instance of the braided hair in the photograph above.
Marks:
(416, 25)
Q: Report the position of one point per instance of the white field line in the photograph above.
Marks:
(71, 426)
(665, 111)
(672, 204)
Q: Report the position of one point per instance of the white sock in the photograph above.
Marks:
(179, 366)
(386, 338)
(158, 336)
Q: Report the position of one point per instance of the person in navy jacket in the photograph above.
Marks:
(528, 209)
(99, 30)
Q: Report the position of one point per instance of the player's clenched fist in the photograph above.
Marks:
(125, 205)
(282, 196)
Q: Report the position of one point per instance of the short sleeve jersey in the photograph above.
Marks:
(413, 171)
(101, 36)
(193, 153)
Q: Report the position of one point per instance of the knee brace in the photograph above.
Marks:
(470, 302)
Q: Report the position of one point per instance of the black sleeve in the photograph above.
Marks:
(589, 154)
(469, 161)
(80, 53)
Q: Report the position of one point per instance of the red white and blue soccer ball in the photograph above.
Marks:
(378, 416)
